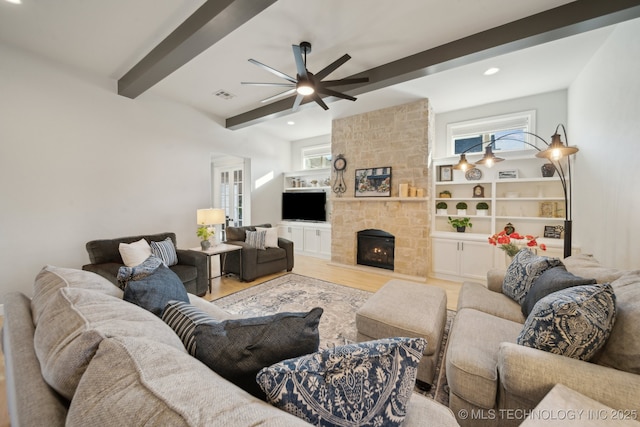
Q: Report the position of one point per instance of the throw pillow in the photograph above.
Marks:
(183, 318)
(148, 266)
(552, 280)
(525, 268)
(166, 251)
(574, 322)
(364, 384)
(271, 236)
(238, 349)
(134, 253)
(256, 239)
(155, 290)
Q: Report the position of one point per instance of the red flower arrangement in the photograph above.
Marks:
(512, 243)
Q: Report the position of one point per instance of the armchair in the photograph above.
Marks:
(106, 261)
(256, 262)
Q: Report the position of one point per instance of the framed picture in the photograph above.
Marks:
(478, 191)
(547, 209)
(445, 173)
(374, 182)
(553, 231)
(508, 174)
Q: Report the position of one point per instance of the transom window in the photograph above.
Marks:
(473, 136)
(316, 157)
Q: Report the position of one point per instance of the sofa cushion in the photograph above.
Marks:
(270, 255)
(622, 350)
(166, 251)
(256, 239)
(153, 291)
(525, 268)
(585, 265)
(51, 278)
(238, 349)
(74, 323)
(573, 322)
(211, 308)
(552, 280)
(368, 383)
(183, 318)
(134, 253)
(157, 385)
(477, 296)
(472, 355)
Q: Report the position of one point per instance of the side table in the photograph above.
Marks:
(221, 249)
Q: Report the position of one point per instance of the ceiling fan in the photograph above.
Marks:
(307, 83)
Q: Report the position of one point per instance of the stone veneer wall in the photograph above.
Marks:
(398, 137)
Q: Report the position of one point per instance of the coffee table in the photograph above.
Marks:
(223, 250)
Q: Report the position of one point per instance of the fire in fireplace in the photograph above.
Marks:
(376, 248)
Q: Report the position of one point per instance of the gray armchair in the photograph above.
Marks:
(191, 268)
(255, 262)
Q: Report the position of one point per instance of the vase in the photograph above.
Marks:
(507, 258)
(462, 212)
(441, 211)
(460, 229)
(205, 244)
(482, 212)
(548, 170)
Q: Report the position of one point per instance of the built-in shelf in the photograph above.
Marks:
(380, 199)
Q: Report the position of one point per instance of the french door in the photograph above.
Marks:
(232, 194)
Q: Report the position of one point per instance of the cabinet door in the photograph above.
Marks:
(311, 240)
(293, 233)
(445, 256)
(476, 258)
(325, 242)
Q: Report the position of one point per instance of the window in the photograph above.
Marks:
(474, 135)
(316, 157)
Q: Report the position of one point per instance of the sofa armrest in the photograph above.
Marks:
(529, 374)
(199, 261)
(495, 277)
(249, 261)
(287, 245)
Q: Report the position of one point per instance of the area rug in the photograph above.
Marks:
(293, 292)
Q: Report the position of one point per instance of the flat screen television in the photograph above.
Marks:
(304, 206)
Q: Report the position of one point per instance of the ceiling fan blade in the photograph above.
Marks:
(297, 102)
(268, 84)
(300, 65)
(274, 71)
(280, 95)
(336, 94)
(332, 67)
(331, 83)
(319, 100)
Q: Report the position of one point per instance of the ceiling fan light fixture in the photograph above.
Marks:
(304, 88)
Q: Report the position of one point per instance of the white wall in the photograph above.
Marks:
(604, 122)
(551, 109)
(78, 162)
(297, 146)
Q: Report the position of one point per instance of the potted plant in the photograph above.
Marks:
(482, 208)
(462, 208)
(446, 194)
(441, 208)
(205, 233)
(460, 224)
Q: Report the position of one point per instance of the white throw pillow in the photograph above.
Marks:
(271, 240)
(134, 253)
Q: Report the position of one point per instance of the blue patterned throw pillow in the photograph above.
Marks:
(574, 322)
(525, 268)
(363, 384)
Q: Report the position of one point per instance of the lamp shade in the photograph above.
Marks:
(556, 150)
(210, 216)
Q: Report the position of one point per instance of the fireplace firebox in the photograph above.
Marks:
(376, 248)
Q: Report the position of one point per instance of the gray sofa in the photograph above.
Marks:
(105, 259)
(256, 262)
(495, 380)
(77, 354)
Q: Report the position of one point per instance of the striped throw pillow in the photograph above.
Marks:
(165, 251)
(256, 239)
(183, 319)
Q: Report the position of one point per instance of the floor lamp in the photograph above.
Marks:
(555, 151)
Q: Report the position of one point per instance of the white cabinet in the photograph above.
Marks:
(453, 259)
(308, 180)
(312, 239)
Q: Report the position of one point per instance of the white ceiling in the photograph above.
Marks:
(106, 38)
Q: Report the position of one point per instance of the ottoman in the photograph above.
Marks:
(406, 309)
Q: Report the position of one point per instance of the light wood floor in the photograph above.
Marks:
(367, 279)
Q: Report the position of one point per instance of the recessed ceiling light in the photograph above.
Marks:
(491, 71)
(291, 123)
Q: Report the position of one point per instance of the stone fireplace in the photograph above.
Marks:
(396, 137)
(376, 248)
